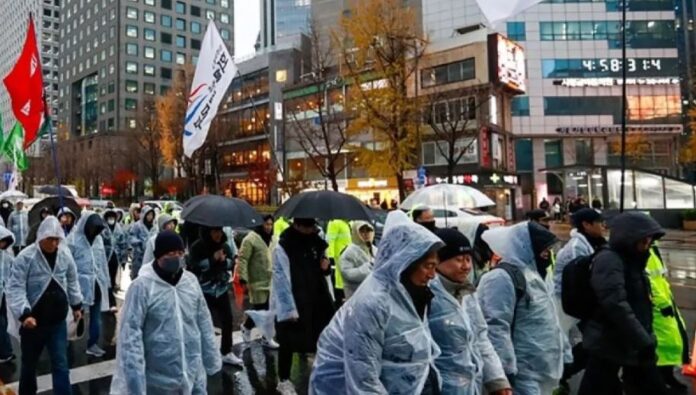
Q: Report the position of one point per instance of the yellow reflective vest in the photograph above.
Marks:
(339, 238)
(670, 344)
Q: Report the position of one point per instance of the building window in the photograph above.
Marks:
(639, 34)
(180, 24)
(195, 10)
(195, 44)
(165, 72)
(149, 2)
(224, 3)
(149, 34)
(112, 105)
(149, 16)
(225, 34)
(520, 106)
(166, 4)
(131, 122)
(112, 86)
(180, 58)
(516, 31)
(149, 70)
(195, 27)
(132, 49)
(131, 67)
(524, 155)
(149, 53)
(210, 15)
(131, 104)
(180, 7)
(166, 38)
(131, 86)
(164, 88)
(584, 154)
(448, 73)
(131, 31)
(166, 56)
(211, 2)
(149, 88)
(181, 41)
(166, 20)
(224, 18)
(132, 13)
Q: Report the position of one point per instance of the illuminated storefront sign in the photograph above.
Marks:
(601, 82)
(659, 129)
(507, 62)
(494, 179)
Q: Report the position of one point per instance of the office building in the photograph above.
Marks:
(14, 16)
(283, 18)
(570, 119)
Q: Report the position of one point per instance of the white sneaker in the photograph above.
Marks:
(95, 351)
(286, 388)
(269, 343)
(246, 334)
(231, 359)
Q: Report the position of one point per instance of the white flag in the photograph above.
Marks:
(499, 10)
(214, 73)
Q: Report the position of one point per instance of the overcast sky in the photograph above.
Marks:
(246, 26)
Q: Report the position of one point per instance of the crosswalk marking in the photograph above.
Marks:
(78, 375)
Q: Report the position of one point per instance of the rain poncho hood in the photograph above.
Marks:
(143, 215)
(526, 333)
(163, 220)
(166, 338)
(49, 227)
(139, 235)
(92, 226)
(90, 259)
(355, 227)
(6, 234)
(377, 343)
(66, 211)
(629, 228)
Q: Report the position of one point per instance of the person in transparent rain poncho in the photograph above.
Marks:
(42, 286)
(139, 233)
(166, 340)
(6, 262)
(525, 332)
(87, 248)
(379, 342)
(468, 362)
(164, 222)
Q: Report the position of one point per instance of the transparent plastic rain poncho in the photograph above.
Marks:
(468, 359)
(90, 260)
(139, 235)
(18, 223)
(166, 340)
(31, 274)
(534, 352)
(6, 259)
(116, 240)
(377, 343)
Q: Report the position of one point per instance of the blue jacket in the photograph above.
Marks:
(377, 343)
(526, 335)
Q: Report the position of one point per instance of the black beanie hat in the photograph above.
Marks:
(166, 242)
(455, 244)
(585, 215)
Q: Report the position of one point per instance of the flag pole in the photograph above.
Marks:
(624, 106)
(54, 153)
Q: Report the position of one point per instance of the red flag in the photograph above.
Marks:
(25, 86)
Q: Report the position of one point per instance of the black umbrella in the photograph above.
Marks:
(55, 190)
(53, 204)
(326, 205)
(219, 211)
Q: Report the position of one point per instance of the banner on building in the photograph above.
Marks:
(214, 74)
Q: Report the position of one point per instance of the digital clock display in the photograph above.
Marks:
(614, 65)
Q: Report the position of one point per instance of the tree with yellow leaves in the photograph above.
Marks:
(687, 155)
(380, 44)
(637, 147)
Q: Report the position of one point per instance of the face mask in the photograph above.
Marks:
(430, 225)
(172, 264)
(111, 221)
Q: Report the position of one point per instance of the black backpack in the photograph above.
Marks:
(577, 297)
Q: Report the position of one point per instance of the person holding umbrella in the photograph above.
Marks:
(211, 260)
(140, 233)
(18, 223)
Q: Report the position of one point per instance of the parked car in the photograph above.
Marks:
(158, 205)
(454, 218)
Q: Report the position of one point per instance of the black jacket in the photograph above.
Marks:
(621, 329)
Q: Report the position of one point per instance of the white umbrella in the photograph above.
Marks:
(13, 194)
(447, 195)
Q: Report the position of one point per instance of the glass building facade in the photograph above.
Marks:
(283, 18)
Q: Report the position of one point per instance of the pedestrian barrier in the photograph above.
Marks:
(690, 369)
